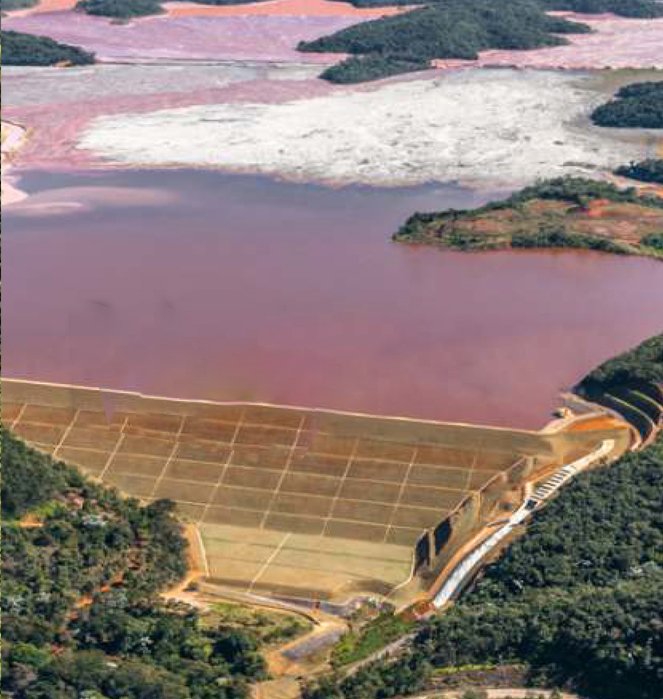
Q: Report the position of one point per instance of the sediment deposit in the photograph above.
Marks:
(503, 127)
(162, 37)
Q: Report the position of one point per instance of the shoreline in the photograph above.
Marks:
(575, 147)
(57, 135)
(13, 138)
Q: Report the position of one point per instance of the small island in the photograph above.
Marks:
(460, 29)
(129, 9)
(567, 212)
(650, 171)
(120, 9)
(639, 105)
(19, 49)
(453, 29)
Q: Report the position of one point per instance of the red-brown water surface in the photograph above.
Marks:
(214, 286)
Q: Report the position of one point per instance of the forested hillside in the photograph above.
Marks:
(639, 105)
(20, 49)
(9, 5)
(625, 8)
(643, 364)
(127, 9)
(81, 569)
(564, 212)
(120, 9)
(449, 29)
(456, 29)
(577, 598)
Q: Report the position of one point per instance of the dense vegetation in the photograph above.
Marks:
(639, 105)
(643, 364)
(577, 598)
(559, 238)
(577, 190)
(371, 67)
(644, 171)
(9, 5)
(359, 644)
(632, 383)
(449, 29)
(625, 8)
(120, 9)
(654, 240)
(549, 214)
(81, 568)
(127, 9)
(20, 49)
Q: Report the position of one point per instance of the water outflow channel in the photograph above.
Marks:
(462, 571)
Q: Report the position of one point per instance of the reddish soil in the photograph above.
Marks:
(595, 423)
(46, 6)
(30, 522)
(625, 222)
(597, 208)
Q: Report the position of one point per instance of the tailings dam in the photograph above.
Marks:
(299, 503)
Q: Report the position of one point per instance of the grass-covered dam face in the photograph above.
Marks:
(290, 501)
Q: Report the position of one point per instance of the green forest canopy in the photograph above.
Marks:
(80, 611)
(577, 598)
(121, 9)
(625, 8)
(126, 9)
(531, 225)
(20, 49)
(645, 171)
(643, 364)
(639, 105)
(9, 5)
(456, 29)
(449, 29)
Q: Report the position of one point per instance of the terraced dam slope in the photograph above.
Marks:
(301, 503)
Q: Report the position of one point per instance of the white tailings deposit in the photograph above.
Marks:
(477, 126)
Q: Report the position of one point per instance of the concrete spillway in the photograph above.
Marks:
(460, 574)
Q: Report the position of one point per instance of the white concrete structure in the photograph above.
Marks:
(462, 571)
